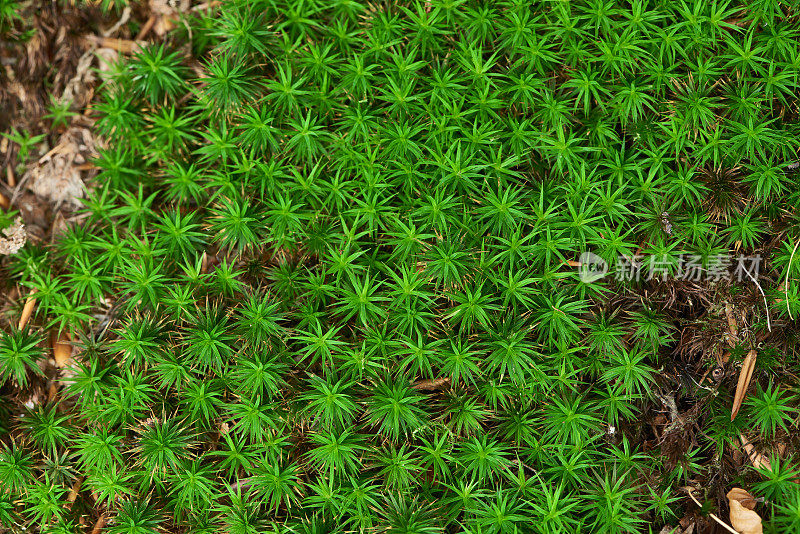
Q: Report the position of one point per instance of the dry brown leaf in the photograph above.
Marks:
(745, 375)
(15, 238)
(436, 383)
(4, 203)
(745, 521)
(27, 311)
(62, 349)
(743, 496)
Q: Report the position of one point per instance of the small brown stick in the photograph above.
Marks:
(101, 522)
(745, 375)
(123, 46)
(27, 310)
(10, 180)
(436, 383)
(146, 28)
(73, 493)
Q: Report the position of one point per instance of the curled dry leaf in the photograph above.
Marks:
(743, 496)
(743, 517)
(14, 238)
(758, 460)
(27, 311)
(745, 375)
(62, 349)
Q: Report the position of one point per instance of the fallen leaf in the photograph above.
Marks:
(745, 375)
(743, 520)
(743, 496)
(756, 458)
(436, 383)
(62, 349)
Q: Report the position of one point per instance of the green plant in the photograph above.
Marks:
(19, 355)
(330, 274)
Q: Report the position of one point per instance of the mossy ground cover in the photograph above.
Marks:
(332, 276)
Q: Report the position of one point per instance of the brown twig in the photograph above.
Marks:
(124, 46)
(146, 28)
(436, 383)
(73, 493)
(101, 522)
(745, 375)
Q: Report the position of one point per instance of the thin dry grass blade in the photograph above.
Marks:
(745, 375)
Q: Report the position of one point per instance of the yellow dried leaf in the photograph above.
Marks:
(743, 496)
(743, 520)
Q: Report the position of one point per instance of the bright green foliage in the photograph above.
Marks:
(326, 278)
